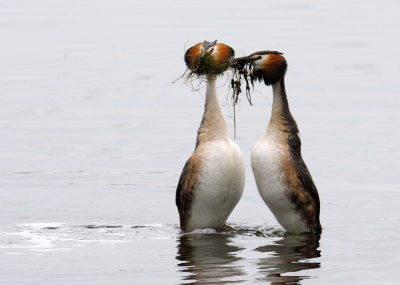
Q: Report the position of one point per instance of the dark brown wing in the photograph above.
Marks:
(186, 188)
(305, 194)
(304, 177)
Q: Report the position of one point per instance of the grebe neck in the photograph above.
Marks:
(282, 125)
(213, 125)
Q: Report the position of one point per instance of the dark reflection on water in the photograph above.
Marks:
(290, 254)
(214, 259)
(209, 259)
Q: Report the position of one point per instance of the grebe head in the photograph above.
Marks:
(269, 66)
(221, 52)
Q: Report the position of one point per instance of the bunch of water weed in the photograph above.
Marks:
(238, 70)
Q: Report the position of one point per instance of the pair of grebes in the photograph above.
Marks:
(213, 178)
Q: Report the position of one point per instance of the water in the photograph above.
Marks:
(95, 135)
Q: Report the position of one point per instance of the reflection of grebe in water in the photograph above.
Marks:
(215, 259)
(209, 259)
(290, 254)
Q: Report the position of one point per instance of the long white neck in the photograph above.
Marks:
(213, 124)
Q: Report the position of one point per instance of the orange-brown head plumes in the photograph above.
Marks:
(269, 66)
(209, 58)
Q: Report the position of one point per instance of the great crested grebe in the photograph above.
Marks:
(212, 180)
(282, 177)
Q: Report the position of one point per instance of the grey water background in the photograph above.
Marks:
(94, 136)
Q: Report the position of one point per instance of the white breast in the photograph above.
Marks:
(266, 158)
(221, 183)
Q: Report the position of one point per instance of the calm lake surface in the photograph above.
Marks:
(94, 136)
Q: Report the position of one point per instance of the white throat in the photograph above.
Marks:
(213, 124)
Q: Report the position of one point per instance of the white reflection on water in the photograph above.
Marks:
(46, 236)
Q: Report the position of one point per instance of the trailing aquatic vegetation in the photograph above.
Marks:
(242, 71)
(204, 67)
(238, 70)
